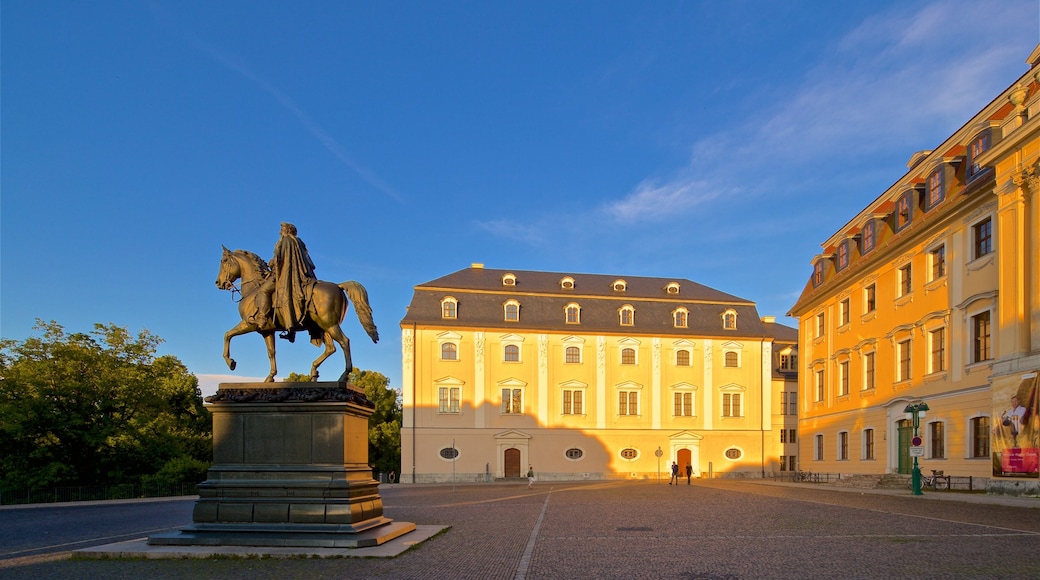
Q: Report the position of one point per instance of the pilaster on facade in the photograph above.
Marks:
(655, 383)
(601, 382)
(479, 380)
(543, 378)
(709, 386)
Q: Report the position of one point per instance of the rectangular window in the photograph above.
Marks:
(817, 277)
(783, 435)
(844, 310)
(978, 146)
(868, 236)
(512, 401)
(792, 461)
(980, 333)
(821, 387)
(980, 437)
(731, 405)
(938, 439)
(572, 402)
(938, 358)
(938, 260)
(903, 351)
(868, 444)
(936, 190)
(905, 280)
(683, 404)
(818, 448)
(628, 402)
(904, 210)
(843, 446)
(448, 400)
(843, 378)
(821, 326)
(792, 433)
(572, 355)
(982, 234)
(843, 255)
(870, 298)
(783, 463)
(868, 371)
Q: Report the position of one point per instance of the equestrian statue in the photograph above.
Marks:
(284, 296)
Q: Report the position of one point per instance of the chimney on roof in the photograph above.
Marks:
(476, 266)
(769, 319)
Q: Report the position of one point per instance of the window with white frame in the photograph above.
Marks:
(868, 444)
(870, 298)
(868, 371)
(509, 280)
(572, 313)
(627, 315)
(937, 350)
(978, 146)
(982, 238)
(449, 351)
(679, 317)
(843, 378)
(936, 188)
(682, 403)
(980, 437)
(980, 337)
(448, 399)
(843, 446)
(628, 402)
(789, 403)
(821, 386)
(937, 262)
(512, 353)
(906, 285)
(903, 359)
(512, 400)
(573, 401)
(512, 311)
(818, 448)
(729, 320)
(821, 325)
(844, 312)
(937, 439)
(628, 356)
(449, 307)
(731, 359)
(572, 355)
(732, 401)
(682, 358)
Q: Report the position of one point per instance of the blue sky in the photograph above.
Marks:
(716, 141)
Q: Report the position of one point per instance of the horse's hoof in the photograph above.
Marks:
(231, 365)
(269, 380)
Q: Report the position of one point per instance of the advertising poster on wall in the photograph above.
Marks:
(1016, 432)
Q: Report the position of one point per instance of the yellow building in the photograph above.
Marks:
(930, 294)
(583, 376)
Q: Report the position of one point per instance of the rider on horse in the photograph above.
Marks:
(290, 282)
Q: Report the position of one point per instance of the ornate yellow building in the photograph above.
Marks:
(930, 294)
(583, 376)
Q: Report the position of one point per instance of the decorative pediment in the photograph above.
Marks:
(689, 435)
(512, 383)
(512, 434)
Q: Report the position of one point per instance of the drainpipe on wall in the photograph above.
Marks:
(414, 400)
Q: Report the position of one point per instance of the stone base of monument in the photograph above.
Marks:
(290, 468)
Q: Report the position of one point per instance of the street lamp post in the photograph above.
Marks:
(658, 453)
(915, 412)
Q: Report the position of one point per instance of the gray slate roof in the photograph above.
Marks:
(481, 295)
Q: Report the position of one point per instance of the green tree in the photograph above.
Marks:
(297, 378)
(96, 408)
(384, 426)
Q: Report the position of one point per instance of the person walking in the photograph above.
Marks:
(689, 473)
(530, 476)
(675, 474)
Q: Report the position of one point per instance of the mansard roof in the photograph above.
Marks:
(481, 293)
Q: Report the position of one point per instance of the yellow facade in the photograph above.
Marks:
(591, 397)
(930, 294)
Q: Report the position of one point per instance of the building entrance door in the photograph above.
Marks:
(906, 432)
(683, 458)
(511, 462)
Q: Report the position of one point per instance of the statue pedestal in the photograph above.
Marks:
(290, 468)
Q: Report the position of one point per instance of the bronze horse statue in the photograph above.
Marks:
(326, 306)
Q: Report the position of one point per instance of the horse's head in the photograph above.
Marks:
(229, 270)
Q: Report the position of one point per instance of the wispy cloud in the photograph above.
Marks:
(235, 64)
(652, 201)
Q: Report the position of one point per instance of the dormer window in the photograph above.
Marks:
(936, 188)
(904, 210)
(567, 283)
(817, 275)
(509, 280)
(843, 255)
(620, 285)
(978, 146)
(672, 288)
(679, 317)
(449, 307)
(573, 313)
(627, 315)
(869, 235)
(512, 311)
(729, 319)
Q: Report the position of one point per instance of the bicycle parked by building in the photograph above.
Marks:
(936, 481)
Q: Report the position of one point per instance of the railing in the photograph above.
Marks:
(957, 482)
(95, 493)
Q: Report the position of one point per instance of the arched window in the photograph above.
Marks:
(679, 317)
(573, 312)
(512, 353)
(729, 320)
(628, 356)
(682, 358)
(449, 351)
(572, 354)
(732, 359)
(512, 311)
(449, 307)
(627, 315)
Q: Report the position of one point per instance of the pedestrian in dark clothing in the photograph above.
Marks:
(675, 474)
(689, 473)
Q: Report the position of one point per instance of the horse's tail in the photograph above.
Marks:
(357, 294)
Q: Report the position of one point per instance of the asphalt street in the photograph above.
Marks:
(708, 530)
